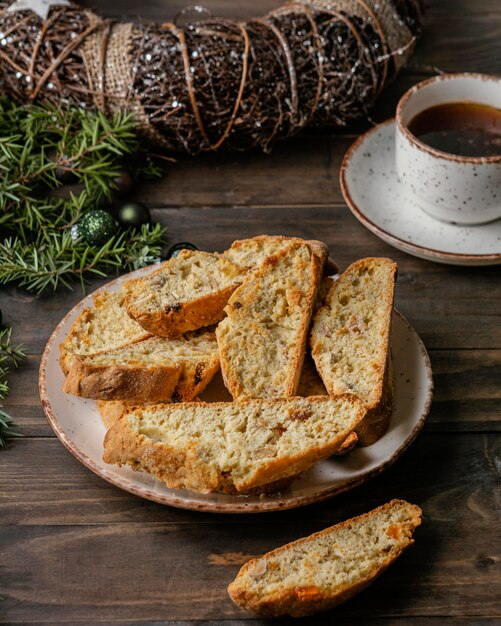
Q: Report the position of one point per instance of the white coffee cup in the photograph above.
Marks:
(452, 188)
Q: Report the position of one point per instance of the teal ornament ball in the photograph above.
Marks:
(96, 227)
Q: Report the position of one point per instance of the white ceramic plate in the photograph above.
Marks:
(379, 200)
(77, 423)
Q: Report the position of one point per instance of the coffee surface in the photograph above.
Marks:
(461, 128)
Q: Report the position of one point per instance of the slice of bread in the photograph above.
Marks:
(103, 327)
(250, 253)
(327, 568)
(231, 447)
(152, 370)
(262, 340)
(187, 292)
(350, 340)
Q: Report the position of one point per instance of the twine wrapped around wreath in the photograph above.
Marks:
(215, 82)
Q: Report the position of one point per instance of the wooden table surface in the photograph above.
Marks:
(76, 550)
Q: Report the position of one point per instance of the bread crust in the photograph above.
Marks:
(236, 308)
(120, 382)
(301, 601)
(184, 467)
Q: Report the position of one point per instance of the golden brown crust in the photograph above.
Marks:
(121, 382)
(185, 467)
(237, 316)
(305, 600)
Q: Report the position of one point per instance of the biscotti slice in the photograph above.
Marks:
(186, 293)
(152, 370)
(262, 340)
(105, 326)
(233, 447)
(350, 340)
(250, 253)
(329, 567)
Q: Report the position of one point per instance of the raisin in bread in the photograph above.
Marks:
(350, 340)
(262, 340)
(327, 568)
(231, 447)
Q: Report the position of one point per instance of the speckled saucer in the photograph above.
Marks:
(386, 207)
(77, 423)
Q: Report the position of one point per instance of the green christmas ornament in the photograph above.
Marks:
(96, 227)
(133, 214)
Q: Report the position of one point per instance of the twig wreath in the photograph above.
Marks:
(214, 82)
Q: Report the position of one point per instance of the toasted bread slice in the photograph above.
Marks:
(327, 568)
(350, 340)
(186, 293)
(103, 327)
(250, 253)
(231, 447)
(262, 340)
(152, 370)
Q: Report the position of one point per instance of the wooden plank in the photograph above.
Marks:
(67, 561)
(458, 374)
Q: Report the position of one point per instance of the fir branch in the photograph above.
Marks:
(9, 356)
(37, 143)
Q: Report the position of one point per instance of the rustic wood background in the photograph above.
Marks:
(76, 550)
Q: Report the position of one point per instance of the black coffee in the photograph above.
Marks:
(461, 128)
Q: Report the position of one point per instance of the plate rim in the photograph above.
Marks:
(210, 507)
(428, 253)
